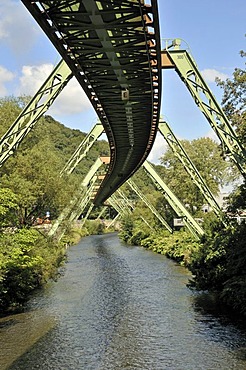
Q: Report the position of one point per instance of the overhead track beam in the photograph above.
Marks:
(113, 49)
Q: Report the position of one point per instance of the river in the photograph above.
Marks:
(120, 307)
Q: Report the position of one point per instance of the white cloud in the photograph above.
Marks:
(17, 28)
(211, 74)
(212, 135)
(72, 99)
(159, 148)
(32, 78)
(5, 76)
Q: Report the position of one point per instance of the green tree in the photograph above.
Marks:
(219, 264)
(234, 100)
(8, 208)
(206, 156)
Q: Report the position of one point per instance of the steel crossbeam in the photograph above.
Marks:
(113, 49)
(183, 63)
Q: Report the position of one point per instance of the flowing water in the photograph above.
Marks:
(120, 307)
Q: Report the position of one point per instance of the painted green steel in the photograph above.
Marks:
(79, 200)
(174, 202)
(171, 198)
(113, 49)
(130, 204)
(83, 148)
(205, 100)
(113, 201)
(80, 206)
(38, 105)
(179, 151)
(82, 203)
(125, 199)
(113, 221)
(135, 188)
(104, 209)
(125, 207)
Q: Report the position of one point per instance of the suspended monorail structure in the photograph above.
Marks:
(113, 49)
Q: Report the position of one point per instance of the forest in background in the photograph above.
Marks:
(31, 185)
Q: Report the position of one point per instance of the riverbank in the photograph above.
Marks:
(28, 260)
(118, 306)
(216, 261)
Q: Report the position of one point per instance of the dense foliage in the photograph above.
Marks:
(219, 264)
(27, 260)
(205, 154)
(218, 260)
(31, 185)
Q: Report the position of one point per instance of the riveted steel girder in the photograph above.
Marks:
(113, 49)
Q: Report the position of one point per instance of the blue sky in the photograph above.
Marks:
(213, 29)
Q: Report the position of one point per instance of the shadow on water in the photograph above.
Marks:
(223, 324)
(209, 304)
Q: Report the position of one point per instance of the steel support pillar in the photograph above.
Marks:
(74, 207)
(179, 151)
(183, 63)
(135, 188)
(174, 202)
(38, 105)
(83, 148)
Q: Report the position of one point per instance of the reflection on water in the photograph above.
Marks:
(120, 307)
(20, 332)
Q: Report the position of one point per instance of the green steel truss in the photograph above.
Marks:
(113, 49)
(130, 204)
(170, 197)
(174, 202)
(181, 60)
(123, 206)
(179, 151)
(78, 203)
(38, 105)
(120, 205)
(113, 221)
(83, 148)
(135, 188)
